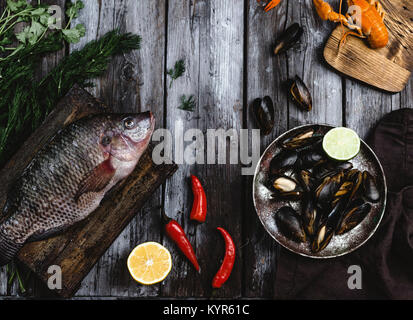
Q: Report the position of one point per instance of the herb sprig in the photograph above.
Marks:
(25, 101)
(38, 20)
(177, 71)
(187, 103)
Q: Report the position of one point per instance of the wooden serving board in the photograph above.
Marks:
(80, 247)
(387, 68)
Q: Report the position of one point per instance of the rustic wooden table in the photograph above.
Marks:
(226, 45)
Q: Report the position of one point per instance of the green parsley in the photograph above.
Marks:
(187, 103)
(25, 101)
(177, 71)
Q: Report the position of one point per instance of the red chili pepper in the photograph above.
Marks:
(199, 206)
(177, 234)
(226, 267)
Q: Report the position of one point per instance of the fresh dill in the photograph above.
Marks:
(187, 103)
(26, 101)
(177, 71)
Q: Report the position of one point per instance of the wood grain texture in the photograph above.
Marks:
(134, 82)
(308, 64)
(210, 38)
(365, 106)
(387, 68)
(227, 49)
(78, 249)
(47, 64)
(266, 74)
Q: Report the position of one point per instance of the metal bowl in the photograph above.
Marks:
(266, 205)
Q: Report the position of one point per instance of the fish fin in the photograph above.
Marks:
(8, 249)
(96, 180)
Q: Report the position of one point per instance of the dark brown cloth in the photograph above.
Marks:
(386, 260)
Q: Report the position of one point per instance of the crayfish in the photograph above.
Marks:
(365, 19)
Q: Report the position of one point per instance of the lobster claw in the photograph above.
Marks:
(326, 12)
(271, 5)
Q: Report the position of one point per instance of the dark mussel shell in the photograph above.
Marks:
(344, 190)
(327, 228)
(309, 139)
(329, 168)
(356, 212)
(284, 160)
(264, 114)
(310, 215)
(325, 192)
(356, 177)
(287, 187)
(371, 192)
(300, 94)
(310, 158)
(306, 180)
(288, 38)
(289, 224)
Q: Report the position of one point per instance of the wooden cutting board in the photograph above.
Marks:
(80, 247)
(387, 68)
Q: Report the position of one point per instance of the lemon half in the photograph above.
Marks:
(149, 263)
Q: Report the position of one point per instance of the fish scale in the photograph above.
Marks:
(67, 179)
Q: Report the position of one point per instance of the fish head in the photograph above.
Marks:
(129, 136)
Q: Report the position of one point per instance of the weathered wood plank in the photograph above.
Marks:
(211, 42)
(52, 60)
(183, 43)
(265, 75)
(48, 63)
(133, 82)
(364, 106)
(324, 85)
(406, 96)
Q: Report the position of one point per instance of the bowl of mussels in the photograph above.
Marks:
(313, 205)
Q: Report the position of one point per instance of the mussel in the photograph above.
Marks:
(300, 94)
(306, 180)
(327, 189)
(284, 160)
(310, 215)
(309, 139)
(356, 177)
(327, 228)
(287, 187)
(310, 158)
(324, 169)
(334, 196)
(264, 115)
(344, 190)
(371, 192)
(356, 212)
(288, 38)
(288, 222)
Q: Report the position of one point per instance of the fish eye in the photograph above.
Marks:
(129, 123)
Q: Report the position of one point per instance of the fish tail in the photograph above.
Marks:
(8, 249)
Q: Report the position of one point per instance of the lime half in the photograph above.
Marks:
(341, 144)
